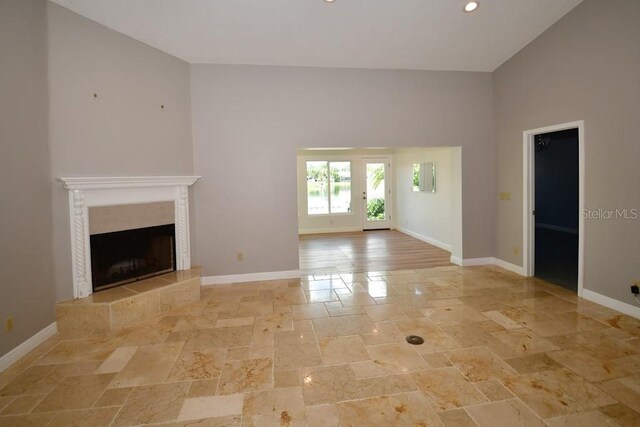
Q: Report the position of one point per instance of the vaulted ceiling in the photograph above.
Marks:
(397, 34)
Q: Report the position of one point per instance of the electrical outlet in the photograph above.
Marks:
(8, 327)
(240, 256)
(505, 195)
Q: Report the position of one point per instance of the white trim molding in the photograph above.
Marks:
(250, 277)
(427, 239)
(24, 348)
(528, 197)
(85, 192)
(112, 182)
(469, 262)
(509, 266)
(455, 260)
(614, 304)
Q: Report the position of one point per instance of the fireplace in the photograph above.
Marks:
(127, 256)
(106, 205)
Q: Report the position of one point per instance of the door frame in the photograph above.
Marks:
(388, 203)
(528, 197)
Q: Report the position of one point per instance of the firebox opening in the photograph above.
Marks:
(122, 257)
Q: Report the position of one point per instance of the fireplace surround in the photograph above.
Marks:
(89, 192)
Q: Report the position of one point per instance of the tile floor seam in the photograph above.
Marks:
(115, 417)
(471, 415)
(470, 382)
(516, 398)
(50, 421)
(40, 401)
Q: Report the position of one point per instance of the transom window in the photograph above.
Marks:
(328, 187)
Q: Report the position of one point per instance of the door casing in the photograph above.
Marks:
(528, 197)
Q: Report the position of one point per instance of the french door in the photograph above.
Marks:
(376, 210)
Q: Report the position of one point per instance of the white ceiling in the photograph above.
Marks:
(398, 34)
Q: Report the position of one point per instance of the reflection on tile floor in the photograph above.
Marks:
(329, 350)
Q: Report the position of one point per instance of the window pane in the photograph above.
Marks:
(416, 177)
(317, 188)
(375, 192)
(340, 187)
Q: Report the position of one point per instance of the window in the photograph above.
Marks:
(328, 187)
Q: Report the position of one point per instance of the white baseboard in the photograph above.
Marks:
(488, 261)
(24, 348)
(427, 239)
(470, 262)
(614, 304)
(455, 260)
(250, 277)
(508, 266)
(329, 230)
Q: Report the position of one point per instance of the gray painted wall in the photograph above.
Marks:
(248, 122)
(26, 291)
(585, 67)
(123, 131)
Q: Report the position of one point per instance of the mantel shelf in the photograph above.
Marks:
(108, 183)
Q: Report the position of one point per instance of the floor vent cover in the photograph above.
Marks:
(415, 340)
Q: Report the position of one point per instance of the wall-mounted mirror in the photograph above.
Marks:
(424, 177)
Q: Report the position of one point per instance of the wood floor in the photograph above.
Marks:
(379, 250)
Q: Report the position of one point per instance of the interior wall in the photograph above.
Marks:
(456, 205)
(425, 215)
(124, 130)
(337, 222)
(584, 67)
(26, 292)
(248, 122)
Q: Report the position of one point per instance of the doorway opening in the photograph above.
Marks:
(553, 199)
(376, 194)
(388, 207)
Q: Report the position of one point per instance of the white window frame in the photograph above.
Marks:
(328, 161)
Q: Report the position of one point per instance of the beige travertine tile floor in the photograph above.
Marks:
(328, 350)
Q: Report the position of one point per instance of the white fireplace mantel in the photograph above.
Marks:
(85, 192)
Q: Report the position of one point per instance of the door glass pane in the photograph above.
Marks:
(416, 177)
(317, 188)
(340, 187)
(375, 192)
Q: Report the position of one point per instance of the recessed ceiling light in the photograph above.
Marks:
(470, 6)
(329, 1)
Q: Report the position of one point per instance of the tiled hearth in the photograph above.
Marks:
(126, 305)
